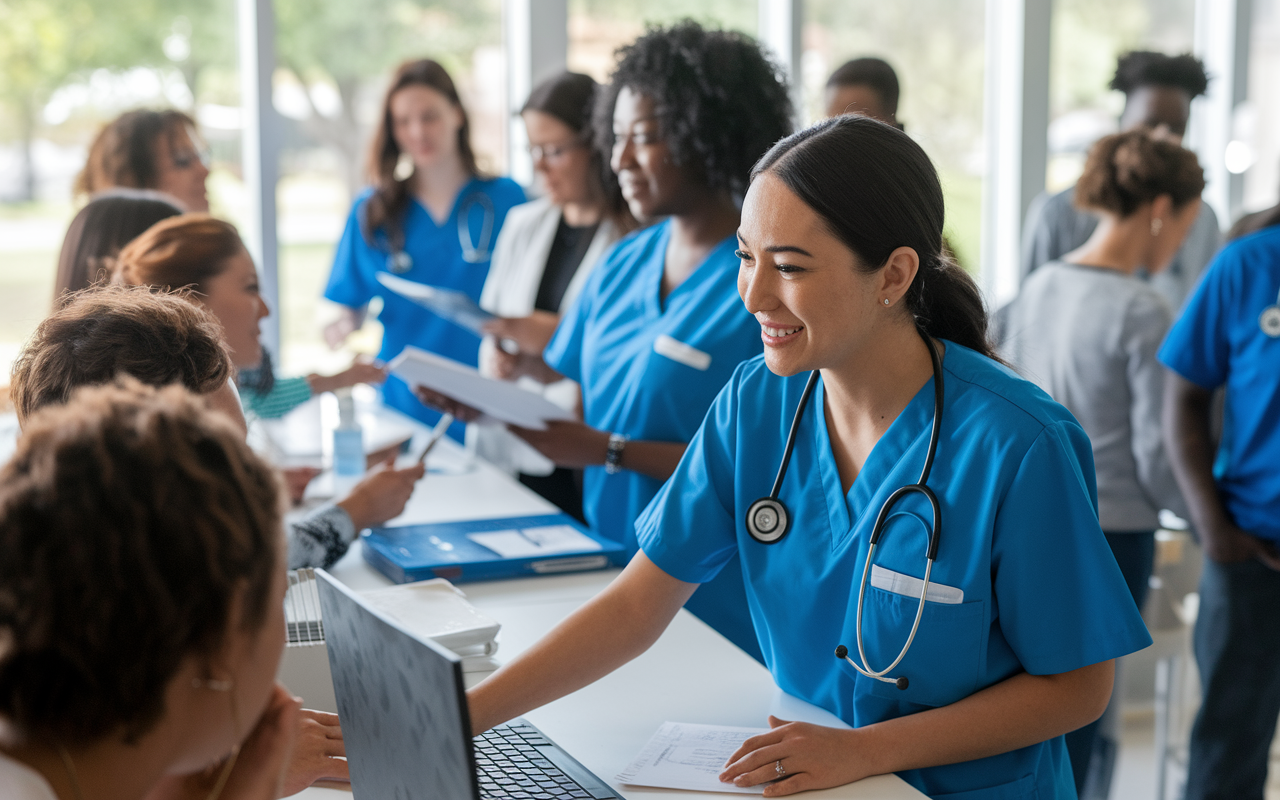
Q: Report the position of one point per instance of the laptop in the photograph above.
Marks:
(406, 727)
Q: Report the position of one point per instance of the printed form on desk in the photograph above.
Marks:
(685, 755)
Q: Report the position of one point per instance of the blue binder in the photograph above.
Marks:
(442, 550)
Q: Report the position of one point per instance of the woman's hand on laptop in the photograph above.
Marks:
(318, 754)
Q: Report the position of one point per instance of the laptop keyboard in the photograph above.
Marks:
(509, 766)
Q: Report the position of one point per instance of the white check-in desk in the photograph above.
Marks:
(692, 674)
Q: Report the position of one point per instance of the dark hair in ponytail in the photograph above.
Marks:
(877, 191)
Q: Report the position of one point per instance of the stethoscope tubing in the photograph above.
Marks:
(400, 262)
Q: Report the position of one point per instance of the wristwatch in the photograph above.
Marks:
(613, 456)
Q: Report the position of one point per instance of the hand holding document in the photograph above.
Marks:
(500, 400)
(449, 304)
(684, 755)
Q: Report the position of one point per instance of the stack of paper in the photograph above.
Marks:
(436, 610)
(500, 400)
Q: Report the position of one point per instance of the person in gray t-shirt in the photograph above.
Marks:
(1158, 92)
(1086, 330)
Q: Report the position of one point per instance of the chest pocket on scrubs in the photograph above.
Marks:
(945, 659)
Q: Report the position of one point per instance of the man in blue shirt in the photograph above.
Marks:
(1229, 335)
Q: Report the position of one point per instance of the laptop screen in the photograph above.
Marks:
(401, 701)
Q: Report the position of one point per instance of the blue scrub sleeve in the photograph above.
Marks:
(564, 351)
(348, 283)
(1061, 600)
(1197, 347)
(688, 529)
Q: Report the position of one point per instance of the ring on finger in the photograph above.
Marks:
(778, 768)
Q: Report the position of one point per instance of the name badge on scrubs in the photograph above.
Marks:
(682, 353)
(897, 583)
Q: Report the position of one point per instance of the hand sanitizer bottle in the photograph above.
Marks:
(348, 439)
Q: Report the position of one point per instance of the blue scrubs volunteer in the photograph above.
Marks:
(453, 255)
(1033, 585)
(1229, 335)
(649, 369)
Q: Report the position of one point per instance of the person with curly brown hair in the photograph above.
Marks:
(141, 657)
(146, 149)
(1086, 329)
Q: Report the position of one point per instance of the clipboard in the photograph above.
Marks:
(447, 550)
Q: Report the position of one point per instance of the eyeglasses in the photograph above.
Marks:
(186, 159)
(552, 152)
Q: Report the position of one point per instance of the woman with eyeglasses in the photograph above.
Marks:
(145, 149)
(658, 328)
(431, 216)
(541, 261)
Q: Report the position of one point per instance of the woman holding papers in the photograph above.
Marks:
(543, 256)
(968, 648)
(658, 327)
(430, 217)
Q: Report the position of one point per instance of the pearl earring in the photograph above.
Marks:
(404, 167)
(1156, 225)
(886, 301)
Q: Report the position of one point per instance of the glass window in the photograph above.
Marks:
(1088, 36)
(1257, 123)
(597, 28)
(334, 58)
(65, 71)
(936, 47)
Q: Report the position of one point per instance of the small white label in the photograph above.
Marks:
(676, 350)
(898, 583)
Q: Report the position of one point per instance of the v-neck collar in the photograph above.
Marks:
(655, 306)
(846, 511)
(453, 209)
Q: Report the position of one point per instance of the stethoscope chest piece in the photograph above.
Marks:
(399, 262)
(767, 520)
(1269, 321)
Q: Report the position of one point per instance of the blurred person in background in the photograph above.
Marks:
(1158, 91)
(206, 256)
(146, 149)
(1086, 330)
(541, 261)
(866, 86)
(431, 216)
(109, 221)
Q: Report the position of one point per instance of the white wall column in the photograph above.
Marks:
(1016, 125)
(260, 145)
(1222, 42)
(780, 28)
(536, 36)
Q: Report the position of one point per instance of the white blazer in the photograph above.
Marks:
(515, 273)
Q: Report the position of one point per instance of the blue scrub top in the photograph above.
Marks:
(1014, 477)
(1219, 340)
(437, 254)
(649, 369)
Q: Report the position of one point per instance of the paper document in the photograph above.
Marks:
(450, 304)
(532, 542)
(500, 400)
(684, 755)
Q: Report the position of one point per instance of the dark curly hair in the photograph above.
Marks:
(108, 331)
(1147, 68)
(131, 519)
(721, 101)
(1126, 170)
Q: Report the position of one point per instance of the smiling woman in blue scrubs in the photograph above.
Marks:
(431, 217)
(659, 328)
(842, 267)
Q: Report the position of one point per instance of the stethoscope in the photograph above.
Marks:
(1269, 320)
(768, 520)
(473, 251)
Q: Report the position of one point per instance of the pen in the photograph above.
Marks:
(437, 433)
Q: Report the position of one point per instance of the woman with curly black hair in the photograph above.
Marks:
(659, 328)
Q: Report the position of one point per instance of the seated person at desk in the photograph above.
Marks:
(139, 662)
(866, 86)
(978, 644)
(543, 256)
(152, 149)
(658, 327)
(106, 224)
(161, 339)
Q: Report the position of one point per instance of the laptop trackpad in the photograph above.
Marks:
(579, 773)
